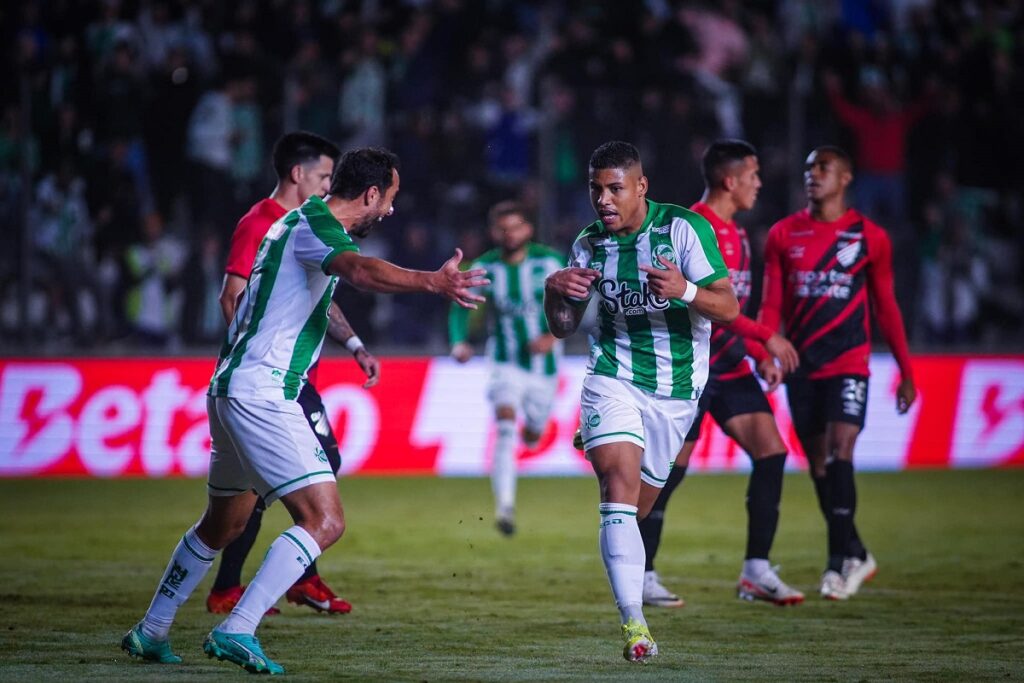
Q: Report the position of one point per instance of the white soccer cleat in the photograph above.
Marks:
(857, 572)
(656, 595)
(833, 586)
(768, 587)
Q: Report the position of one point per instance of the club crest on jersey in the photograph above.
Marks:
(662, 251)
(848, 252)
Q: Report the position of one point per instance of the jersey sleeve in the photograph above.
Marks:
(699, 258)
(319, 239)
(770, 314)
(749, 329)
(245, 242)
(883, 298)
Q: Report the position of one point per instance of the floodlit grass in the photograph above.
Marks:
(439, 595)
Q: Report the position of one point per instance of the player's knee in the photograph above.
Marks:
(326, 529)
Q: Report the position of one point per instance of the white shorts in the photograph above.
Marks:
(613, 410)
(523, 390)
(262, 445)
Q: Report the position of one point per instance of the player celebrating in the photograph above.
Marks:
(260, 438)
(826, 268)
(303, 163)
(733, 395)
(525, 354)
(661, 281)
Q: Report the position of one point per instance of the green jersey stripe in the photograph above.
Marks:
(298, 544)
(262, 278)
(306, 345)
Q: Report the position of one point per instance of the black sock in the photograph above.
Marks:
(650, 526)
(763, 495)
(310, 571)
(821, 489)
(843, 501)
(231, 560)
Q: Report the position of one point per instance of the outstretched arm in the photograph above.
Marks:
(377, 275)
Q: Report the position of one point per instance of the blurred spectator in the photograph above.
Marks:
(62, 235)
(153, 293)
(211, 135)
(361, 109)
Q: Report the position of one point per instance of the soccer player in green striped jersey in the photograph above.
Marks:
(660, 282)
(261, 441)
(524, 352)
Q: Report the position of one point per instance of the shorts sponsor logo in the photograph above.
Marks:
(854, 396)
(662, 251)
(320, 454)
(593, 420)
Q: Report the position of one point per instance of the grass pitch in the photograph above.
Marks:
(439, 595)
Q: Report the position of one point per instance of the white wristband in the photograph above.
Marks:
(353, 343)
(690, 293)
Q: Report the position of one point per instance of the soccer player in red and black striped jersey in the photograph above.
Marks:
(733, 395)
(827, 268)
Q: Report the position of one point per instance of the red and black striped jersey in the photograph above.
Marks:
(820, 280)
(731, 343)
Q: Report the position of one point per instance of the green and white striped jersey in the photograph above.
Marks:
(281, 319)
(515, 303)
(659, 345)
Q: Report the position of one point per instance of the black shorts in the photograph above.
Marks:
(815, 402)
(316, 415)
(725, 399)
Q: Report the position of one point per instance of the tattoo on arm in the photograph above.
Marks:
(337, 325)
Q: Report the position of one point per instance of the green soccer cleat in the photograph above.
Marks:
(241, 649)
(640, 646)
(136, 644)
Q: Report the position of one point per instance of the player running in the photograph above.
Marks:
(660, 280)
(303, 163)
(260, 438)
(827, 268)
(733, 395)
(524, 353)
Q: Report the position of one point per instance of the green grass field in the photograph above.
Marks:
(440, 596)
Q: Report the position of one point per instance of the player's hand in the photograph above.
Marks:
(906, 394)
(542, 344)
(573, 283)
(668, 283)
(457, 284)
(462, 352)
(771, 373)
(781, 348)
(368, 362)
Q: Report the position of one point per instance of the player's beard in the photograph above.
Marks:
(365, 226)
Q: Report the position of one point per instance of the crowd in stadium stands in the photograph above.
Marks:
(145, 127)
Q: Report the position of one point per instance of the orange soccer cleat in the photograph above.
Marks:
(314, 593)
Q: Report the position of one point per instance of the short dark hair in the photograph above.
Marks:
(361, 169)
(838, 152)
(615, 154)
(506, 208)
(299, 147)
(721, 154)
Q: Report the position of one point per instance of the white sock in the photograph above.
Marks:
(287, 559)
(622, 549)
(503, 469)
(189, 564)
(755, 567)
